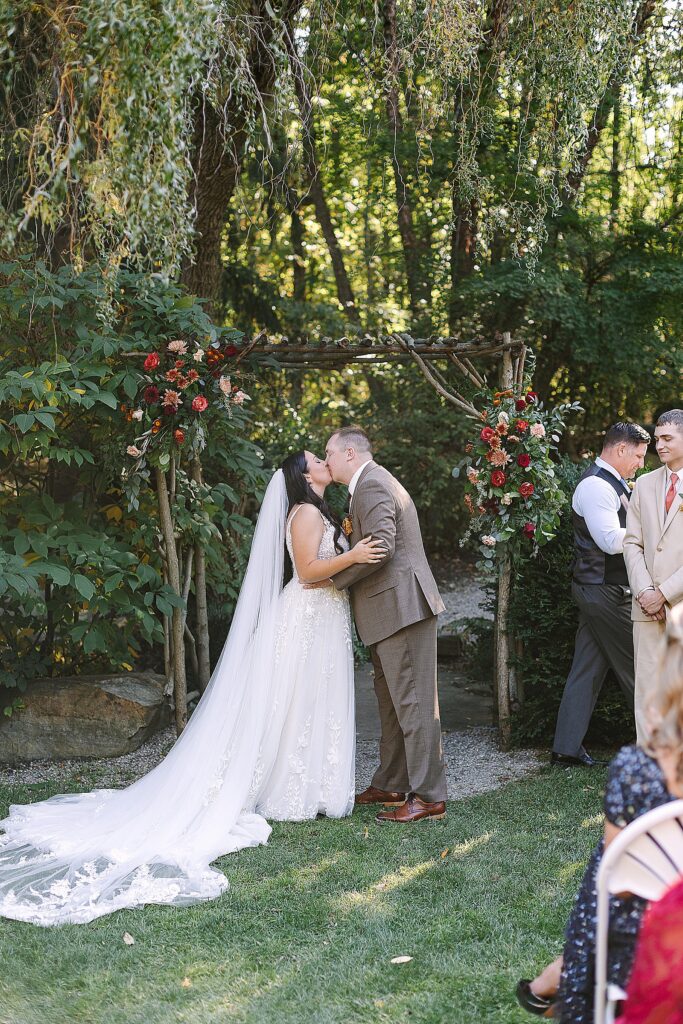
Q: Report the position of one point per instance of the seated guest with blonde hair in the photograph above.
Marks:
(640, 778)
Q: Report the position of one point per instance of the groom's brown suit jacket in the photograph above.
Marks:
(401, 589)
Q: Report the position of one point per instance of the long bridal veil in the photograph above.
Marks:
(73, 858)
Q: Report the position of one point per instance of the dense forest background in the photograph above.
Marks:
(456, 168)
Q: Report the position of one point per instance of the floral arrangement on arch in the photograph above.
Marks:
(178, 384)
(511, 490)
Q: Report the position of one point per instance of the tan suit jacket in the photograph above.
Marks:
(653, 544)
(401, 589)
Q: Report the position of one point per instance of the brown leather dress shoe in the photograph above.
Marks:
(414, 809)
(379, 796)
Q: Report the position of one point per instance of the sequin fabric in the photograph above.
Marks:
(635, 785)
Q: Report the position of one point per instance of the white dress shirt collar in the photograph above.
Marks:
(610, 469)
(354, 479)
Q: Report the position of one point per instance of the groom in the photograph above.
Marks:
(395, 604)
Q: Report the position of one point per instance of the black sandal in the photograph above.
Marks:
(530, 1001)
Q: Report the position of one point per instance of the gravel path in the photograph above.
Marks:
(474, 764)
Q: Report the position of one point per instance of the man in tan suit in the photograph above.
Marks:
(653, 552)
(395, 604)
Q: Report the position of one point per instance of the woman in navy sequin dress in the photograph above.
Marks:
(638, 781)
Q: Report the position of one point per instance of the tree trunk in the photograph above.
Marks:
(502, 640)
(465, 208)
(201, 603)
(218, 142)
(177, 620)
(315, 186)
(419, 291)
(604, 107)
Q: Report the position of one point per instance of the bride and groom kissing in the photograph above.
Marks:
(274, 733)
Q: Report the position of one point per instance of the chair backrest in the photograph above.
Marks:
(645, 859)
(647, 856)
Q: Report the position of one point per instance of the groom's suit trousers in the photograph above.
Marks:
(604, 640)
(411, 758)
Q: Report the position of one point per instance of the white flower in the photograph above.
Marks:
(134, 451)
(177, 346)
(506, 499)
(489, 541)
(198, 355)
(138, 414)
(503, 417)
(225, 385)
(240, 397)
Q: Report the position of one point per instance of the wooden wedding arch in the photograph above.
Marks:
(507, 357)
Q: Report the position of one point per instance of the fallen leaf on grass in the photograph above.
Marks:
(366, 832)
(128, 939)
(401, 959)
(444, 853)
(186, 983)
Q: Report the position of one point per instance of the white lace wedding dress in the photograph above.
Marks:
(273, 736)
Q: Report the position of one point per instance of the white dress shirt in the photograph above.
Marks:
(598, 503)
(354, 479)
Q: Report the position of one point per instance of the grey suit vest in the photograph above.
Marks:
(591, 564)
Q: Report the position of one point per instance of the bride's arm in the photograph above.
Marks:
(307, 530)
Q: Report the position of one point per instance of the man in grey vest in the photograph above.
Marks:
(600, 588)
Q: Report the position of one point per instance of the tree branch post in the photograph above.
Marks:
(201, 603)
(502, 640)
(177, 620)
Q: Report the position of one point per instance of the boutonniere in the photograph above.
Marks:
(630, 484)
(347, 526)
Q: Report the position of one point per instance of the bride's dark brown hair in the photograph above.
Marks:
(300, 492)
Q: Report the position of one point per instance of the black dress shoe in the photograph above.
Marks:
(539, 1005)
(582, 760)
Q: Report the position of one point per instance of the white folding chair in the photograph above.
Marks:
(645, 859)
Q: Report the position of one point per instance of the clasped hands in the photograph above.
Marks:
(652, 602)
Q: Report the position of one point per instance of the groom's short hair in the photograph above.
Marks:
(673, 416)
(354, 437)
(625, 433)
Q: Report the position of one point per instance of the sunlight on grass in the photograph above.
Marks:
(569, 874)
(595, 821)
(373, 895)
(462, 849)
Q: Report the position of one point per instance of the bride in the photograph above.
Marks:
(273, 736)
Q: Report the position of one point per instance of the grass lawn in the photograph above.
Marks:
(307, 931)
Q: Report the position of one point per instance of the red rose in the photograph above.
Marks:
(524, 460)
(230, 351)
(520, 404)
(488, 434)
(526, 490)
(498, 478)
(199, 404)
(521, 425)
(178, 436)
(151, 394)
(531, 397)
(152, 361)
(529, 529)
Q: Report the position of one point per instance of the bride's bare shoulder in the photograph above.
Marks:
(304, 516)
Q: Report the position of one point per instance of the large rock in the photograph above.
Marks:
(84, 716)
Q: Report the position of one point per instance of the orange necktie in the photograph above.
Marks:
(671, 493)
